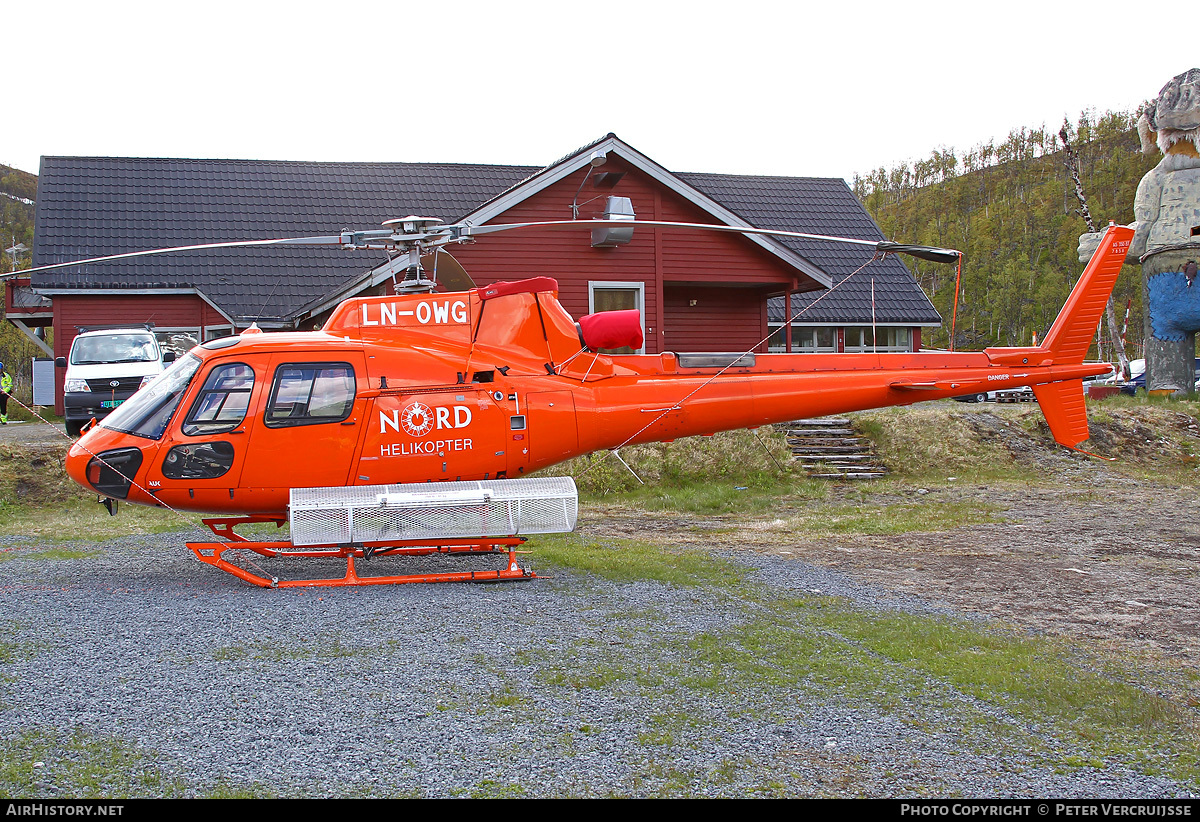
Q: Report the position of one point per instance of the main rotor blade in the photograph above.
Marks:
(449, 272)
(334, 240)
(441, 235)
(922, 252)
(932, 253)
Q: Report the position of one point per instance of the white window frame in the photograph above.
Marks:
(621, 285)
(880, 330)
(797, 346)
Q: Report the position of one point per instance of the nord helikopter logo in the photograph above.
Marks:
(417, 419)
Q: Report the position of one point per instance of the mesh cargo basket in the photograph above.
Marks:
(432, 511)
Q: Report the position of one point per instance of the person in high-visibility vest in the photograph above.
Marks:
(5, 390)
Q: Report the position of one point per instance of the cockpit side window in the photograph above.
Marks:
(222, 402)
(310, 394)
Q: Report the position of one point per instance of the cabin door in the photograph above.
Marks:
(307, 425)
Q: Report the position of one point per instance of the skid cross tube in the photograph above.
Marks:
(210, 553)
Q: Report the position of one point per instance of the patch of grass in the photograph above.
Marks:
(662, 729)
(65, 521)
(1038, 679)
(896, 518)
(932, 441)
(773, 653)
(903, 663)
(507, 698)
(596, 674)
(491, 789)
(39, 500)
(629, 561)
(51, 554)
(223, 790)
(749, 495)
(41, 763)
(738, 457)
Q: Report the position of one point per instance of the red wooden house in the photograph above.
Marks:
(698, 291)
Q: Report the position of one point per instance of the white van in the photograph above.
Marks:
(105, 367)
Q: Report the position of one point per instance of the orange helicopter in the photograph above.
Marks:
(409, 423)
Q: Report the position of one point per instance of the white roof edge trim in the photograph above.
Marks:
(572, 164)
(135, 292)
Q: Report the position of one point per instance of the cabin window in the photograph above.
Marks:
(311, 394)
(223, 401)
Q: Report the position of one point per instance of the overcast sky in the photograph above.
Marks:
(744, 87)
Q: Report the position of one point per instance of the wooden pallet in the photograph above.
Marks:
(1015, 396)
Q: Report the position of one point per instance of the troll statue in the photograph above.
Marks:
(1167, 234)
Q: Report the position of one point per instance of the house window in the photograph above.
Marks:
(881, 338)
(216, 332)
(179, 340)
(616, 296)
(805, 339)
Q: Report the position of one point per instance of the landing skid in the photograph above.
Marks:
(210, 553)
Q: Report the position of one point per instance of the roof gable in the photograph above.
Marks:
(610, 143)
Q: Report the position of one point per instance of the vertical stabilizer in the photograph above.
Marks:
(1070, 337)
(1062, 405)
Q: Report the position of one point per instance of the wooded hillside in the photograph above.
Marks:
(18, 190)
(1011, 208)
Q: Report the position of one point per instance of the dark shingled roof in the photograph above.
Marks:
(93, 206)
(818, 205)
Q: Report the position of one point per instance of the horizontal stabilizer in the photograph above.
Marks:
(1062, 405)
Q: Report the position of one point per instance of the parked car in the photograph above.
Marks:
(1137, 369)
(106, 367)
(982, 396)
(1111, 377)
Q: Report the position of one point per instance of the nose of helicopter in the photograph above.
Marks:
(77, 463)
(104, 463)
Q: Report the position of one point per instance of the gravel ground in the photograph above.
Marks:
(562, 686)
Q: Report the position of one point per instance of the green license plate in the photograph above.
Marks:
(110, 403)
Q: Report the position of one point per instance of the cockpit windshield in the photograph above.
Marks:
(147, 412)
